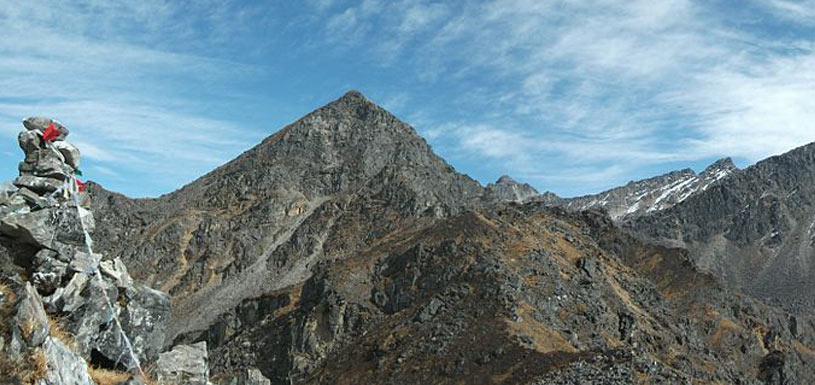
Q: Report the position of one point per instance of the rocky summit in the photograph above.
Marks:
(342, 250)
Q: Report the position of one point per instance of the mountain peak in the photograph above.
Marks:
(507, 189)
(723, 164)
(354, 99)
(354, 95)
(506, 179)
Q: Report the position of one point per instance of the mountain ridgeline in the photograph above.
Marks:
(342, 250)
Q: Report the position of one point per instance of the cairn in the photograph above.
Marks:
(45, 221)
(48, 172)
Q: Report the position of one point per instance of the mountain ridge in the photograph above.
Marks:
(342, 247)
(754, 229)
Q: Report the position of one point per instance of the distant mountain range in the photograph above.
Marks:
(341, 249)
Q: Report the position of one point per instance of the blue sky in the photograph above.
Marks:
(570, 96)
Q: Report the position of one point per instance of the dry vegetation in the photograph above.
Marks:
(60, 334)
(108, 377)
(25, 371)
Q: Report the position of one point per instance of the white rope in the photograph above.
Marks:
(70, 189)
(98, 275)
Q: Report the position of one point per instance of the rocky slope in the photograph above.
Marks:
(514, 295)
(342, 177)
(342, 250)
(647, 196)
(755, 229)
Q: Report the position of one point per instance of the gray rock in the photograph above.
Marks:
(69, 152)
(34, 200)
(755, 230)
(38, 184)
(143, 314)
(647, 196)
(30, 142)
(83, 262)
(69, 298)
(145, 319)
(184, 365)
(506, 189)
(50, 164)
(41, 123)
(116, 270)
(29, 227)
(48, 271)
(64, 366)
(30, 325)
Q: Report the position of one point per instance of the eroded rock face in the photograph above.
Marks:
(566, 297)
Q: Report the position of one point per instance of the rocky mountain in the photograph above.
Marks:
(755, 229)
(342, 250)
(342, 177)
(638, 198)
(506, 189)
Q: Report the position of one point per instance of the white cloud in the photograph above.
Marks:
(800, 10)
(129, 103)
(630, 84)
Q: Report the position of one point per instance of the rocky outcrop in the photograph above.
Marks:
(73, 308)
(506, 189)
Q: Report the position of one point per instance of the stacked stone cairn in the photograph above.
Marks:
(64, 308)
(45, 224)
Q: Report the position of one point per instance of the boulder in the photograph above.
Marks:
(64, 366)
(117, 271)
(29, 227)
(184, 365)
(48, 271)
(142, 314)
(50, 164)
(34, 200)
(69, 152)
(85, 263)
(38, 184)
(68, 298)
(30, 142)
(30, 325)
(145, 319)
(39, 123)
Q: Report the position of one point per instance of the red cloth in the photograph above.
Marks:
(51, 133)
(82, 186)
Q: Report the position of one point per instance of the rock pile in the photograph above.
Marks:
(70, 311)
(45, 223)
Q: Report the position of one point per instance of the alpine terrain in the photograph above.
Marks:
(342, 250)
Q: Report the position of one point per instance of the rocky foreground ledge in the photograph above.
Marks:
(67, 314)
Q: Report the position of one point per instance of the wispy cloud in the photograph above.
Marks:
(799, 10)
(575, 96)
(599, 83)
(131, 105)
